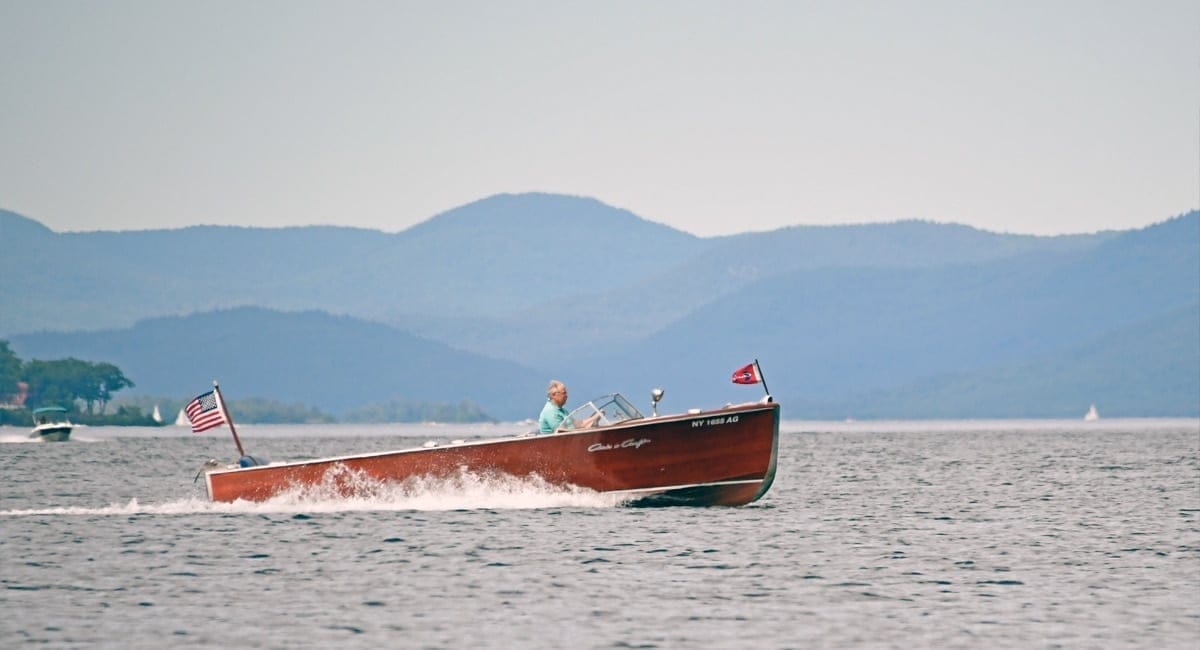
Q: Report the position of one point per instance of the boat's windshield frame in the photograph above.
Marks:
(613, 409)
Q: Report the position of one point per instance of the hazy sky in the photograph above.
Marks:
(713, 117)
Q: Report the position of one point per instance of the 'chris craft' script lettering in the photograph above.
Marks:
(635, 443)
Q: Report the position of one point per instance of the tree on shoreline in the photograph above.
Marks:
(67, 381)
(59, 382)
(10, 372)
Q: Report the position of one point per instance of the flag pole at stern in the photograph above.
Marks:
(229, 418)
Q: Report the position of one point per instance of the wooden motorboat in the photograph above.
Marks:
(719, 457)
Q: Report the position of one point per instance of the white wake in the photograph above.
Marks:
(346, 492)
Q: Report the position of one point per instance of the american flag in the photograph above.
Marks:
(205, 412)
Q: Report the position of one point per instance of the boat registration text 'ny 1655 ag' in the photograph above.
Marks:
(712, 422)
(628, 443)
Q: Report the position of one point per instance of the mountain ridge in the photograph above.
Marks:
(833, 312)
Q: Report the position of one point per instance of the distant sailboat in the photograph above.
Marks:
(182, 420)
(1091, 414)
(157, 415)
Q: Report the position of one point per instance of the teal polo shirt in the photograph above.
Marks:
(552, 416)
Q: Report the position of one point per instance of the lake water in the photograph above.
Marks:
(884, 534)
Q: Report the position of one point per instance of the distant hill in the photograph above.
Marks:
(494, 257)
(338, 363)
(497, 276)
(830, 334)
(100, 280)
(1148, 369)
(492, 299)
(606, 312)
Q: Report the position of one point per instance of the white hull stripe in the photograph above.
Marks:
(669, 488)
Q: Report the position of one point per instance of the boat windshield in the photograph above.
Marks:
(613, 409)
(48, 414)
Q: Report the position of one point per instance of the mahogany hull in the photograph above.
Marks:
(721, 457)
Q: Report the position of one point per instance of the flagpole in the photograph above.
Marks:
(761, 378)
(229, 418)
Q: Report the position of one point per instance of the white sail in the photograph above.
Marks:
(182, 420)
(157, 415)
(1092, 414)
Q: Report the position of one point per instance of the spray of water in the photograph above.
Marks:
(344, 490)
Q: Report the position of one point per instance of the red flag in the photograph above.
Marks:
(747, 374)
(205, 412)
